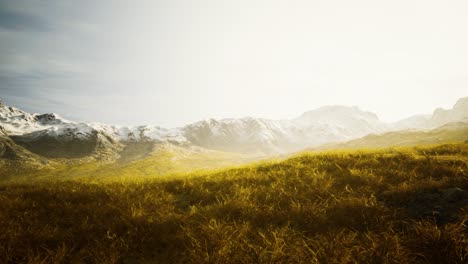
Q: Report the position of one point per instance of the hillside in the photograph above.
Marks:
(157, 161)
(449, 133)
(386, 206)
(13, 157)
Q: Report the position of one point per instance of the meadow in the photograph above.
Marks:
(400, 205)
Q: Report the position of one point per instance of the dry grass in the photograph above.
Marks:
(391, 206)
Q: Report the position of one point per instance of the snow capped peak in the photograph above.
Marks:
(16, 121)
(51, 119)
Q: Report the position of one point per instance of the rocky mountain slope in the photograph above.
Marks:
(12, 153)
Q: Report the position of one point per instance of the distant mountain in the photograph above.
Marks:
(414, 122)
(53, 136)
(257, 135)
(440, 117)
(443, 126)
(458, 113)
(50, 135)
(338, 123)
(246, 135)
(18, 122)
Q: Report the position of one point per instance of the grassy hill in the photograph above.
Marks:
(157, 160)
(450, 133)
(406, 205)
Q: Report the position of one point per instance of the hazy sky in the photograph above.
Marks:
(173, 62)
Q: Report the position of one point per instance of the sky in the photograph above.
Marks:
(172, 62)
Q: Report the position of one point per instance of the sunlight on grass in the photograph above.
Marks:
(405, 205)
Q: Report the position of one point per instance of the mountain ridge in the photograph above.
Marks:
(260, 136)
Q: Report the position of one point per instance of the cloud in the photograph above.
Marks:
(20, 21)
(170, 62)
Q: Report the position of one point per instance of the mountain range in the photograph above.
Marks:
(52, 136)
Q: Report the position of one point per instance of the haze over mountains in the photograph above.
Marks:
(50, 135)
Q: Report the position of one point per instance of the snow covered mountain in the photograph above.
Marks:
(53, 136)
(251, 135)
(17, 122)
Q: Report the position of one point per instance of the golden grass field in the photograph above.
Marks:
(404, 205)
